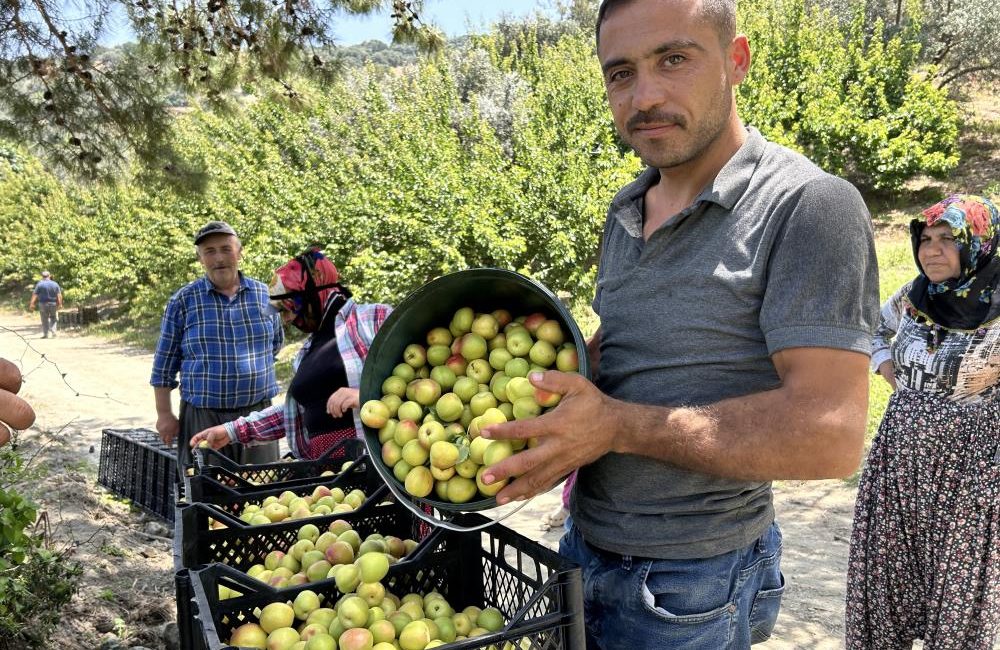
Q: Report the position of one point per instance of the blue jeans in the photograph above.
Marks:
(724, 602)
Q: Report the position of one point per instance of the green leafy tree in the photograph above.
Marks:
(854, 101)
(962, 39)
(391, 55)
(571, 162)
(502, 153)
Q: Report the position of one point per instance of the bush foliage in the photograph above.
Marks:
(854, 101)
(35, 582)
(960, 39)
(501, 153)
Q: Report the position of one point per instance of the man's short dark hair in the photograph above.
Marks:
(721, 14)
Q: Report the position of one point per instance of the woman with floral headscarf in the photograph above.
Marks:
(321, 406)
(925, 549)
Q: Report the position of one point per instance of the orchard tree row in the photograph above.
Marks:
(498, 153)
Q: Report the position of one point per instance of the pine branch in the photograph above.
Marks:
(94, 120)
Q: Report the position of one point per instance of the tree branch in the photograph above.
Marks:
(963, 72)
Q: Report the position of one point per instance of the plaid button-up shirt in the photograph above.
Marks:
(356, 326)
(224, 348)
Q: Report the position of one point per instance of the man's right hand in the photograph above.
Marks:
(580, 430)
(216, 437)
(168, 426)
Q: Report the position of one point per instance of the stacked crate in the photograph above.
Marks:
(538, 591)
(217, 488)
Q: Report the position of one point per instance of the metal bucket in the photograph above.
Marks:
(433, 305)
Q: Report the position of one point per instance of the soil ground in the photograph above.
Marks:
(80, 385)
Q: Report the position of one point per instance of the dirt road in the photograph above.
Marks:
(81, 384)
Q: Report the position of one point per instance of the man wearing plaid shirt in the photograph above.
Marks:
(219, 334)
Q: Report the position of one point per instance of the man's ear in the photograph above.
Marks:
(738, 59)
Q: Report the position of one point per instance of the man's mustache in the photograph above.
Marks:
(654, 118)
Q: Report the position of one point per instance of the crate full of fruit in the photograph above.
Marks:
(491, 589)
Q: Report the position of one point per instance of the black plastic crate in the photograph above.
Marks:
(243, 546)
(203, 489)
(189, 633)
(224, 477)
(135, 464)
(196, 543)
(207, 459)
(539, 592)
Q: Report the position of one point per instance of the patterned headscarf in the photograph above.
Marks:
(303, 286)
(961, 302)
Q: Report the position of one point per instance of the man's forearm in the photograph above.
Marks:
(759, 437)
(791, 432)
(163, 404)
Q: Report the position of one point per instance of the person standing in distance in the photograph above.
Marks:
(219, 334)
(48, 296)
(737, 293)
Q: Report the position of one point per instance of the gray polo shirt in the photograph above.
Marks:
(773, 254)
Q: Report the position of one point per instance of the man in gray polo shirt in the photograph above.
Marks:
(737, 294)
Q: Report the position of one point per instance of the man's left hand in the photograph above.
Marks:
(578, 431)
(342, 401)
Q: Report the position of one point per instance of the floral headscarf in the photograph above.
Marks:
(961, 302)
(303, 286)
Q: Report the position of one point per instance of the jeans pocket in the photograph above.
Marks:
(764, 613)
(675, 592)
